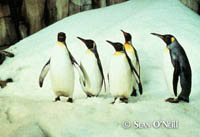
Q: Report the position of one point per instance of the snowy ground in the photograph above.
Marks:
(29, 111)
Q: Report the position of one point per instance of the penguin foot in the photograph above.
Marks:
(134, 93)
(57, 99)
(89, 95)
(125, 100)
(172, 100)
(114, 100)
(70, 100)
(183, 99)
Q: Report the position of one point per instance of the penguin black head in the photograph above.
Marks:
(61, 36)
(127, 36)
(167, 38)
(88, 42)
(118, 46)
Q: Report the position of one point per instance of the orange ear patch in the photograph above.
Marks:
(172, 39)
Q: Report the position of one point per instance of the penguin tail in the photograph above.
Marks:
(140, 88)
(40, 83)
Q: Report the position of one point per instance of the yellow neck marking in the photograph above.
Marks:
(166, 49)
(128, 47)
(117, 53)
(60, 44)
(89, 51)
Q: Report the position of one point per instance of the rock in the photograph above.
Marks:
(23, 30)
(3, 55)
(57, 10)
(73, 7)
(21, 18)
(33, 13)
(6, 53)
(3, 83)
(111, 2)
(76, 6)
(192, 4)
(7, 35)
(62, 9)
(102, 3)
(86, 5)
(2, 58)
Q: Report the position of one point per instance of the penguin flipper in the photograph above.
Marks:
(100, 66)
(138, 62)
(72, 58)
(131, 65)
(81, 71)
(44, 72)
(175, 77)
(134, 70)
(70, 55)
(108, 77)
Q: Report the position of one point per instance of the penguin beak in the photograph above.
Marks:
(125, 33)
(110, 42)
(113, 44)
(83, 40)
(158, 35)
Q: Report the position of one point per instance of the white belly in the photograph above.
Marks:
(120, 77)
(93, 75)
(169, 71)
(62, 72)
(132, 56)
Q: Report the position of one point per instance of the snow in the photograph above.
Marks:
(27, 110)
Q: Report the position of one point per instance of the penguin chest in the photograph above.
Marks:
(169, 71)
(131, 55)
(92, 73)
(62, 72)
(120, 76)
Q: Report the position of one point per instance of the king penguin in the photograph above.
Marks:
(61, 70)
(92, 70)
(132, 54)
(179, 67)
(120, 73)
